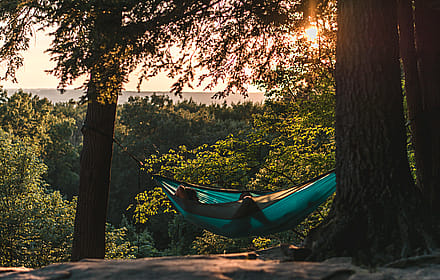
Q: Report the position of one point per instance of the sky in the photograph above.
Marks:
(32, 75)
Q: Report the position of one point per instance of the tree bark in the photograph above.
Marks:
(409, 59)
(96, 157)
(426, 116)
(104, 86)
(374, 215)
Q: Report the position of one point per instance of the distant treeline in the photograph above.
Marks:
(207, 98)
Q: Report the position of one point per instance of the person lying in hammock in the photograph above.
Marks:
(248, 205)
(244, 195)
(186, 193)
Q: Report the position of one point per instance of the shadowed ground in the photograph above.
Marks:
(275, 263)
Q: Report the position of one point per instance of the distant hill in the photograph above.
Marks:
(198, 97)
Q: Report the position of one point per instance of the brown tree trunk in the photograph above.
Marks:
(96, 156)
(374, 216)
(106, 78)
(409, 59)
(426, 116)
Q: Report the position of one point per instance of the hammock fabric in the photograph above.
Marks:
(220, 210)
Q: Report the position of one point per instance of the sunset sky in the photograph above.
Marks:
(32, 75)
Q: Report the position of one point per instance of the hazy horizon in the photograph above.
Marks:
(199, 97)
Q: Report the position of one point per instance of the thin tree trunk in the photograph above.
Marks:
(374, 217)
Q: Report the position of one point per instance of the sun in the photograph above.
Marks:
(311, 33)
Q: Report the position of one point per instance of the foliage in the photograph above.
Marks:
(108, 40)
(312, 70)
(55, 131)
(36, 224)
(152, 126)
(210, 243)
(301, 137)
(291, 139)
(150, 203)
(157, 125)
(116, 246)
(126, 243)
(141, 240)
(207, 164)
(182, 234)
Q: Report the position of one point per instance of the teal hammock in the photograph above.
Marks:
(222, 212)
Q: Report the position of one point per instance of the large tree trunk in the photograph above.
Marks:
(106, 78)
(424, 128)
(426, 116)
(375, 215)
(91, 215)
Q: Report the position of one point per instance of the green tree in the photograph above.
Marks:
(36, 224)
(62, 154)
(52, 128)
(125, 243)
(26, 115)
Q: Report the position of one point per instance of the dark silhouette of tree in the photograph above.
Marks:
(424, 100)
(378, 213)
(420, 53)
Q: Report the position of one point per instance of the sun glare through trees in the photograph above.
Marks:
(312, 34)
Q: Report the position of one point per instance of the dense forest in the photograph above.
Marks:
(246, 146)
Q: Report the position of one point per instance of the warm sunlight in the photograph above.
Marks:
(312, 33)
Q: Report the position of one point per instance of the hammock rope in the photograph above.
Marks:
(116, 141)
